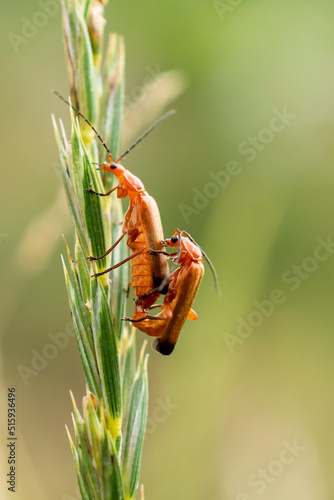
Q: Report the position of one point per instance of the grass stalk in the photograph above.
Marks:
(109, 431)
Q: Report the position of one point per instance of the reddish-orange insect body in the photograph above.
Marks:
(143, 227)
(142, 224)
(182, 290)
(149, 266)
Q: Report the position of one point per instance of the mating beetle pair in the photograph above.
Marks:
(150, 275)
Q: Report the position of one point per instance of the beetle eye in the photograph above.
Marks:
(174, 239)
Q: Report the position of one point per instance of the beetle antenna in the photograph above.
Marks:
(100, 164)
(145, 134)
(214, 274)
(84, 118)
(179, 253)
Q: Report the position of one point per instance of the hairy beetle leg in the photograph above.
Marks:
(108, 251)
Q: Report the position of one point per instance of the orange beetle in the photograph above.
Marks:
(183, 285)
(142, 225)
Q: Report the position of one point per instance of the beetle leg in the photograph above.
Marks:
(117, 265)
(108, 251)
(89, 190)
(154, 252)
(155, 290)
(142, 319)
(165, 281)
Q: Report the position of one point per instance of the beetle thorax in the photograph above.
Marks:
(190, 251)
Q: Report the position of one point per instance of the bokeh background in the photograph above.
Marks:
(232, 398)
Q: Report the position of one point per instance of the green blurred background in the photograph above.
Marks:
(216, 417)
